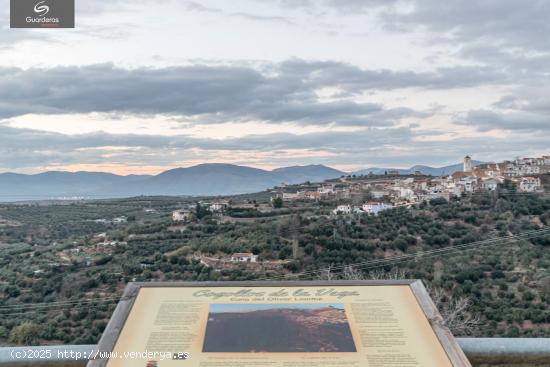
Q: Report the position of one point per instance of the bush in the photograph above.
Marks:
(24, 334)
(277, 203)
(438, 201)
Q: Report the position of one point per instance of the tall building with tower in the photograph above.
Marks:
(467, 164)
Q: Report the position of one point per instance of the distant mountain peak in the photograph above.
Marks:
(426, 170)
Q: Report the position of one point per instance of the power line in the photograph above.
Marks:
(79, 307)
(449, 249)
(56, 304)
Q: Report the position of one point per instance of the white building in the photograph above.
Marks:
(469, 184)
(120, 220)
(421, 184)
(378, 194)
(524, 166)
(406, 193)
(244, 257)
(217, 207)
(490, 184)
(374, 207)
(326, 190)
(182, 215)
(493, 170)
(529, 184)
(343, 209)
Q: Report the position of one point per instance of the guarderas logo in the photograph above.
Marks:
(41, 9)
(42, 13)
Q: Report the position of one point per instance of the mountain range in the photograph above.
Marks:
(203, 179)
(200, 180)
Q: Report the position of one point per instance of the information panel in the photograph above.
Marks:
(278, 324)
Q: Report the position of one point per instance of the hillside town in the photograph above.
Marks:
(391, 190)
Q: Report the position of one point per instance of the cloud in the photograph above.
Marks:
(198, 7)
(31, 150)
(532, 100)
(502, 33)
(509, 23)
(528, 108)
(344, 6)
(278, 92)
(18, 139)
(23, 148)
(195, 6)
(352, 78)
(486, 120)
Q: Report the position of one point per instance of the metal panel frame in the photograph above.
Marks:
(116, 323)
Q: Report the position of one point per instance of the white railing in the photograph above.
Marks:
(497, 352)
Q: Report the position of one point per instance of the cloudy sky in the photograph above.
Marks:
(143, 86)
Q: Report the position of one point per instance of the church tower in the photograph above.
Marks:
(467, 164)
